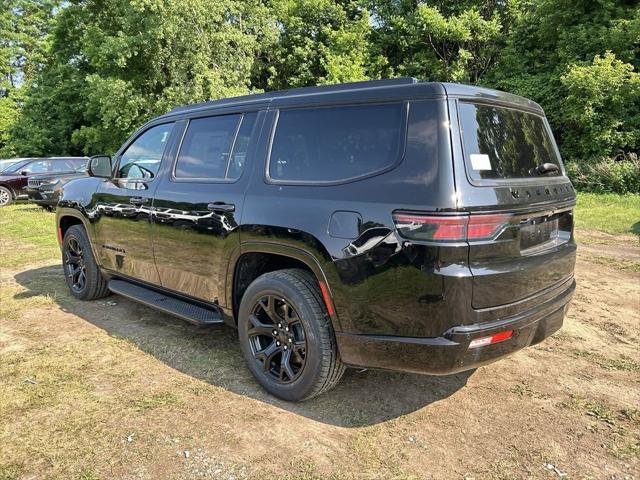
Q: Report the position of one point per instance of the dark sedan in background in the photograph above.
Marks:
(14, 179)
(45, 190)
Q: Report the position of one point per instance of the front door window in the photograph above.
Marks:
(141, 160)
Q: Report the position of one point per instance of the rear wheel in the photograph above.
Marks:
(6, 197)
(80, 268)
(286, 335)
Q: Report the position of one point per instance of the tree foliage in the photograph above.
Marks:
(81, 75)
(24, 25)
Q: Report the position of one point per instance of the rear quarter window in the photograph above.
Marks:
(504, 143)
(335, 144)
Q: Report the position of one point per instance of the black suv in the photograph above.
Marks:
(394, 224)
(45, 190)
(15, 177)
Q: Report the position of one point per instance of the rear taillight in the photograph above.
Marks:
(449, 228)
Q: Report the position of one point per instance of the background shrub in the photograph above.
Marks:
(606, 175)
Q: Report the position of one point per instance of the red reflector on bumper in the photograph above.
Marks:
(497, 338)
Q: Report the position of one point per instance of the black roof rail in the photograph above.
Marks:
(268, 96)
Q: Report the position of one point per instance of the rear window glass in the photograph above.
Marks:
(503, 143)
(332, 144)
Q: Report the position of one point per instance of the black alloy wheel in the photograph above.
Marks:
(287, 336)
(81, 271)
(277, 338)
(74, 265)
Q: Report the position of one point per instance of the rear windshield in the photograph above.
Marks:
(502, 143)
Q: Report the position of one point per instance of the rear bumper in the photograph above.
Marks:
(450, 352)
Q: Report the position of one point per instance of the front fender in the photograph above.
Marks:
(76, 201)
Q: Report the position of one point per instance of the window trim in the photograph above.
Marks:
(126, 146)
(402, 145)
(225, 180)
(494, 182)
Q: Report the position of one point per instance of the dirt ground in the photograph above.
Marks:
(111, 389)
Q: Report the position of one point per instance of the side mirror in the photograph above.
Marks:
(100, 166)
(24, 172)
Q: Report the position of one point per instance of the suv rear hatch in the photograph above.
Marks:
(514, 177)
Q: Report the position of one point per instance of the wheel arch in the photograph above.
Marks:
(10, 188)
(66, 218)
(253, 259)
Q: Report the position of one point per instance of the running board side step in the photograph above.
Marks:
(165, 303)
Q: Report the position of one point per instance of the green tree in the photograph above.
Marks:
(24, 28)
(441, 39)
(320, 41)
(119, 63)
(458, 48)
(551, 37)
(602, 107)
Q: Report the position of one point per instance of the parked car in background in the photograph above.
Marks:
(45, 190)
(7, 162)
(15, 178)
(392, 224)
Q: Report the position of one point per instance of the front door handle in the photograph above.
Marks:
(221, 207)
(138, 200)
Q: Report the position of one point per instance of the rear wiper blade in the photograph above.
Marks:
(545, 168)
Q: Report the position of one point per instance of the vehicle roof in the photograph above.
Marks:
(34, 159)
(408, 86)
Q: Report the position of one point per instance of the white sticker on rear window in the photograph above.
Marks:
(480, 161)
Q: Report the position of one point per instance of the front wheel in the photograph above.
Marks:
(80, 268)
(286, 335)
(6, 197)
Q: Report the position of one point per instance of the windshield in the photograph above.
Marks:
(82, 169)
(15, 167)
(503, 143)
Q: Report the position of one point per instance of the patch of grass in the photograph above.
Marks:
(155, 401)
(610, 213)
(10, 471)
(593, 408)
(631, 414)
(621, 363)
(524, 389)
(28, 235)
(623, 264)
(88, 475)
(631, 450)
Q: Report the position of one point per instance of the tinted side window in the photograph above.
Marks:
(330, 144)
(241, 146)
(142, 158)
(206, 147)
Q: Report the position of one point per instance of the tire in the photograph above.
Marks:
(81, 271)
(6, 197)
(314, 368)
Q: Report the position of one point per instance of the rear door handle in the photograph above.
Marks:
(221, 207)
(138, 200)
